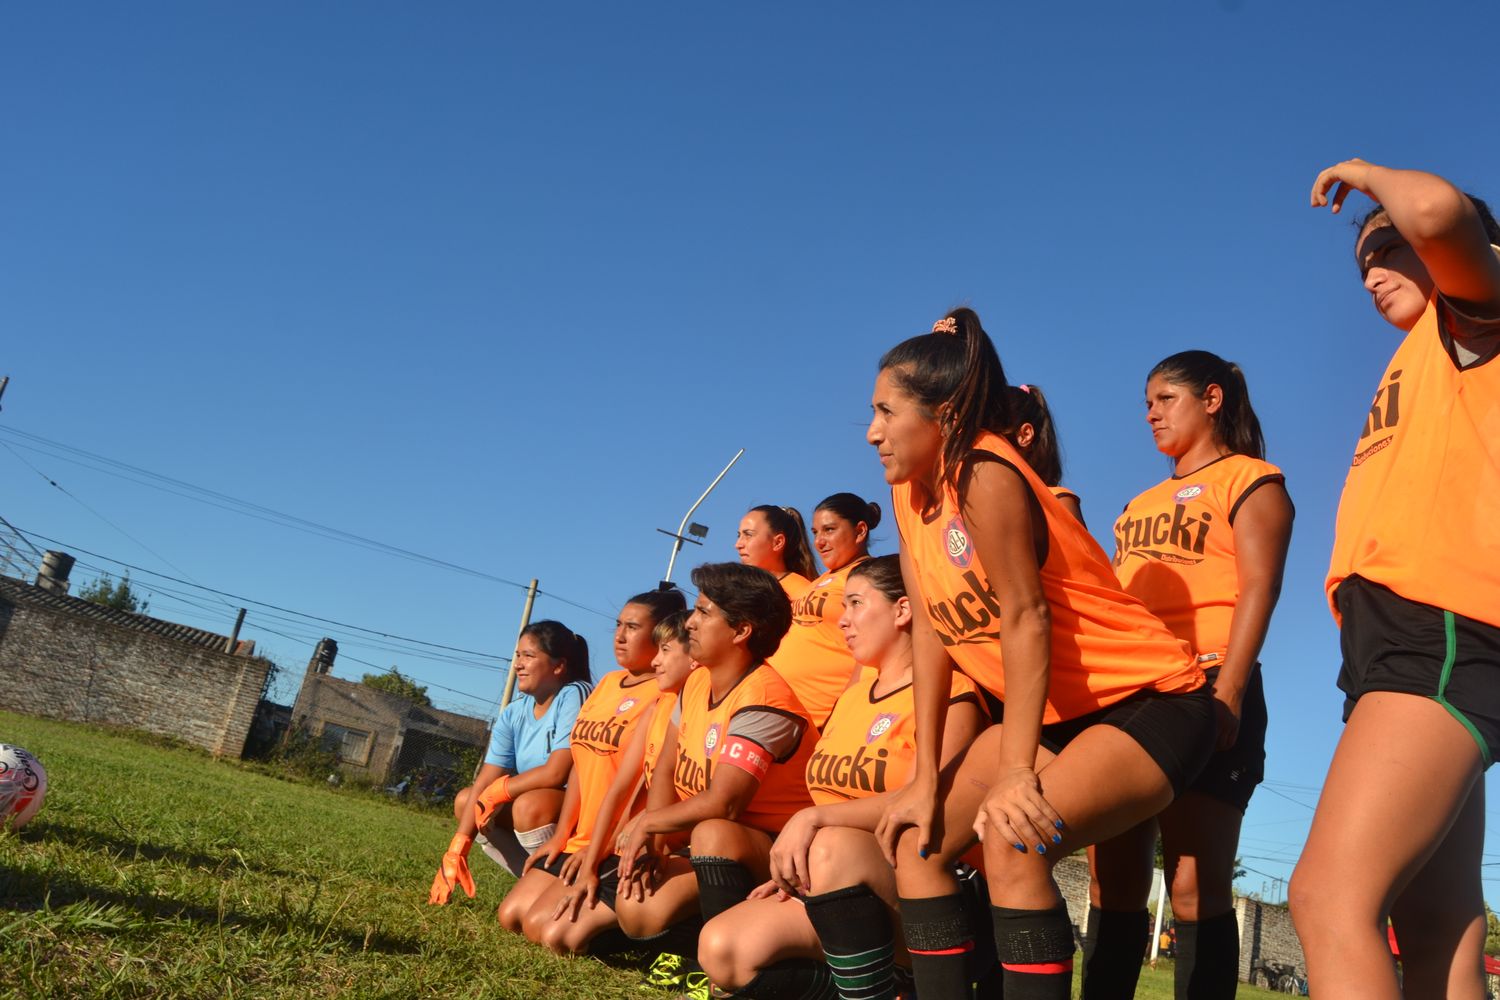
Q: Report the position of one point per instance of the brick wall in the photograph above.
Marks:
(325, 700)
(1266, 938)
(69, 666)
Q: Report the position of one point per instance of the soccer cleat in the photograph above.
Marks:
(668, 972)
(696, 987)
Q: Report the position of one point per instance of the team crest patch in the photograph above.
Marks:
(1187, 493)
(880, 727)
(711, 740)
(625, 706)
(960, 552)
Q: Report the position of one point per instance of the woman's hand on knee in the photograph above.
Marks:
(788, 861)
(913, 805)
(1016, 812)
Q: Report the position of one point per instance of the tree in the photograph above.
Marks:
(1491, 931)
(111, 594)
(396, 683)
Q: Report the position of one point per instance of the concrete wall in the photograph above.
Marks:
(325, 700)
(1266, 938)
(68, 666)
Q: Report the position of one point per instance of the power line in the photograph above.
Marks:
(263, 604)
(224, 501)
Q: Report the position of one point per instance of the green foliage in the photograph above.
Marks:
(300, 754)
(1491, 931)
(115, 594)
(396, 683)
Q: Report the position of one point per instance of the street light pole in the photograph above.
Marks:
(696, 531)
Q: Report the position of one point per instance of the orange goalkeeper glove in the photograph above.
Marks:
(492, 798)
(453, 871)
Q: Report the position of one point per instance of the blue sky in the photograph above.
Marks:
(507, 285)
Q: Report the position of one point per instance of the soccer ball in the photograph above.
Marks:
(23, 785)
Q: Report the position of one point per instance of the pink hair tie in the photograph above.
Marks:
(946, 325)
(1024, 388)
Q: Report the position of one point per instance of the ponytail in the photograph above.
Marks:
(1044, 453)
(955, 375)
(1236, 426)
(559, 642)
(787, 522)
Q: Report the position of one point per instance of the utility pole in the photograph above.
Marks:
(694, 531)
(510, 676)
(4, 381)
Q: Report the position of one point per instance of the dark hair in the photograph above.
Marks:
(559, 642)
(1486, 218)
(672, 628)
(660, 602)
(1236, 426)
(748, 594)
(960, 370)
(852, 509)
(1044, 453)
(884, 574)
(787, 522)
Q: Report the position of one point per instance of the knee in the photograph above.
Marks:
(463, 802)
(535, 925)
(720, 838)
(511, 916)
(555, 937)
(533, 809)
(634, 919)
(832, 860)
(716, 952)
(1185, 895)
(1310, 900)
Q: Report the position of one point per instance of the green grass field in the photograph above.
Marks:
(154, 871)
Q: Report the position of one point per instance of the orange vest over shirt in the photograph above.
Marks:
(603, 726)
(1105, 645)
(1420, 513)
(1174, 548)
(813, 657)
(869, 743)
(704, 728)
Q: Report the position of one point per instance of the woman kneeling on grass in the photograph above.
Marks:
(774, 945)
(528, 760)
(579, 905)
(737, 760)
(1106, 715)
(604, 724)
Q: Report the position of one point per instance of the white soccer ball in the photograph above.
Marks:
(23, 785)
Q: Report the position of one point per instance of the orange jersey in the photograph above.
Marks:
(795, 585)
(1105, 644)
(1420, 512)
(813, 657)
(656, 736)
(1174, 549)
(758, 726)
(600, 733)
(869, 743)
(1063, 491)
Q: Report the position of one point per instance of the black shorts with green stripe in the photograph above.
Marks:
(1393, 644)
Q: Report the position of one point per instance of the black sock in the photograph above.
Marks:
(679, 939)
(797, 979)
(1112, 953)
(858, 941)
(722, 882)
(984, 967)
(940, 942)
(1036, 950)
(1208, 958)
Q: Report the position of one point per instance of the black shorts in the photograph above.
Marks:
(1231, 775)
(1175, 730)
(1393, 644)
(609, 876)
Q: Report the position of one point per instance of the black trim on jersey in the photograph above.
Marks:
(1205, 465)
(642, 679)
(1270, 477)
(1449, 340)
(894, 691)
(1044, 546)
(715, 704)
(806, 725)
(1065, 492)
(967, 697)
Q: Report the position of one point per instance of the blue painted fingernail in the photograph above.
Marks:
(1057, 838)
(1041, 848)
(1058, 824)
(1021, 848)
(922, 853)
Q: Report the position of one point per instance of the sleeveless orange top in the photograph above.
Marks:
(1174, 549)
(656, 736)
(1105, 645)
(1420, 512)
(760, 726)
(603, 726)
(869, 744)
(813, 657)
